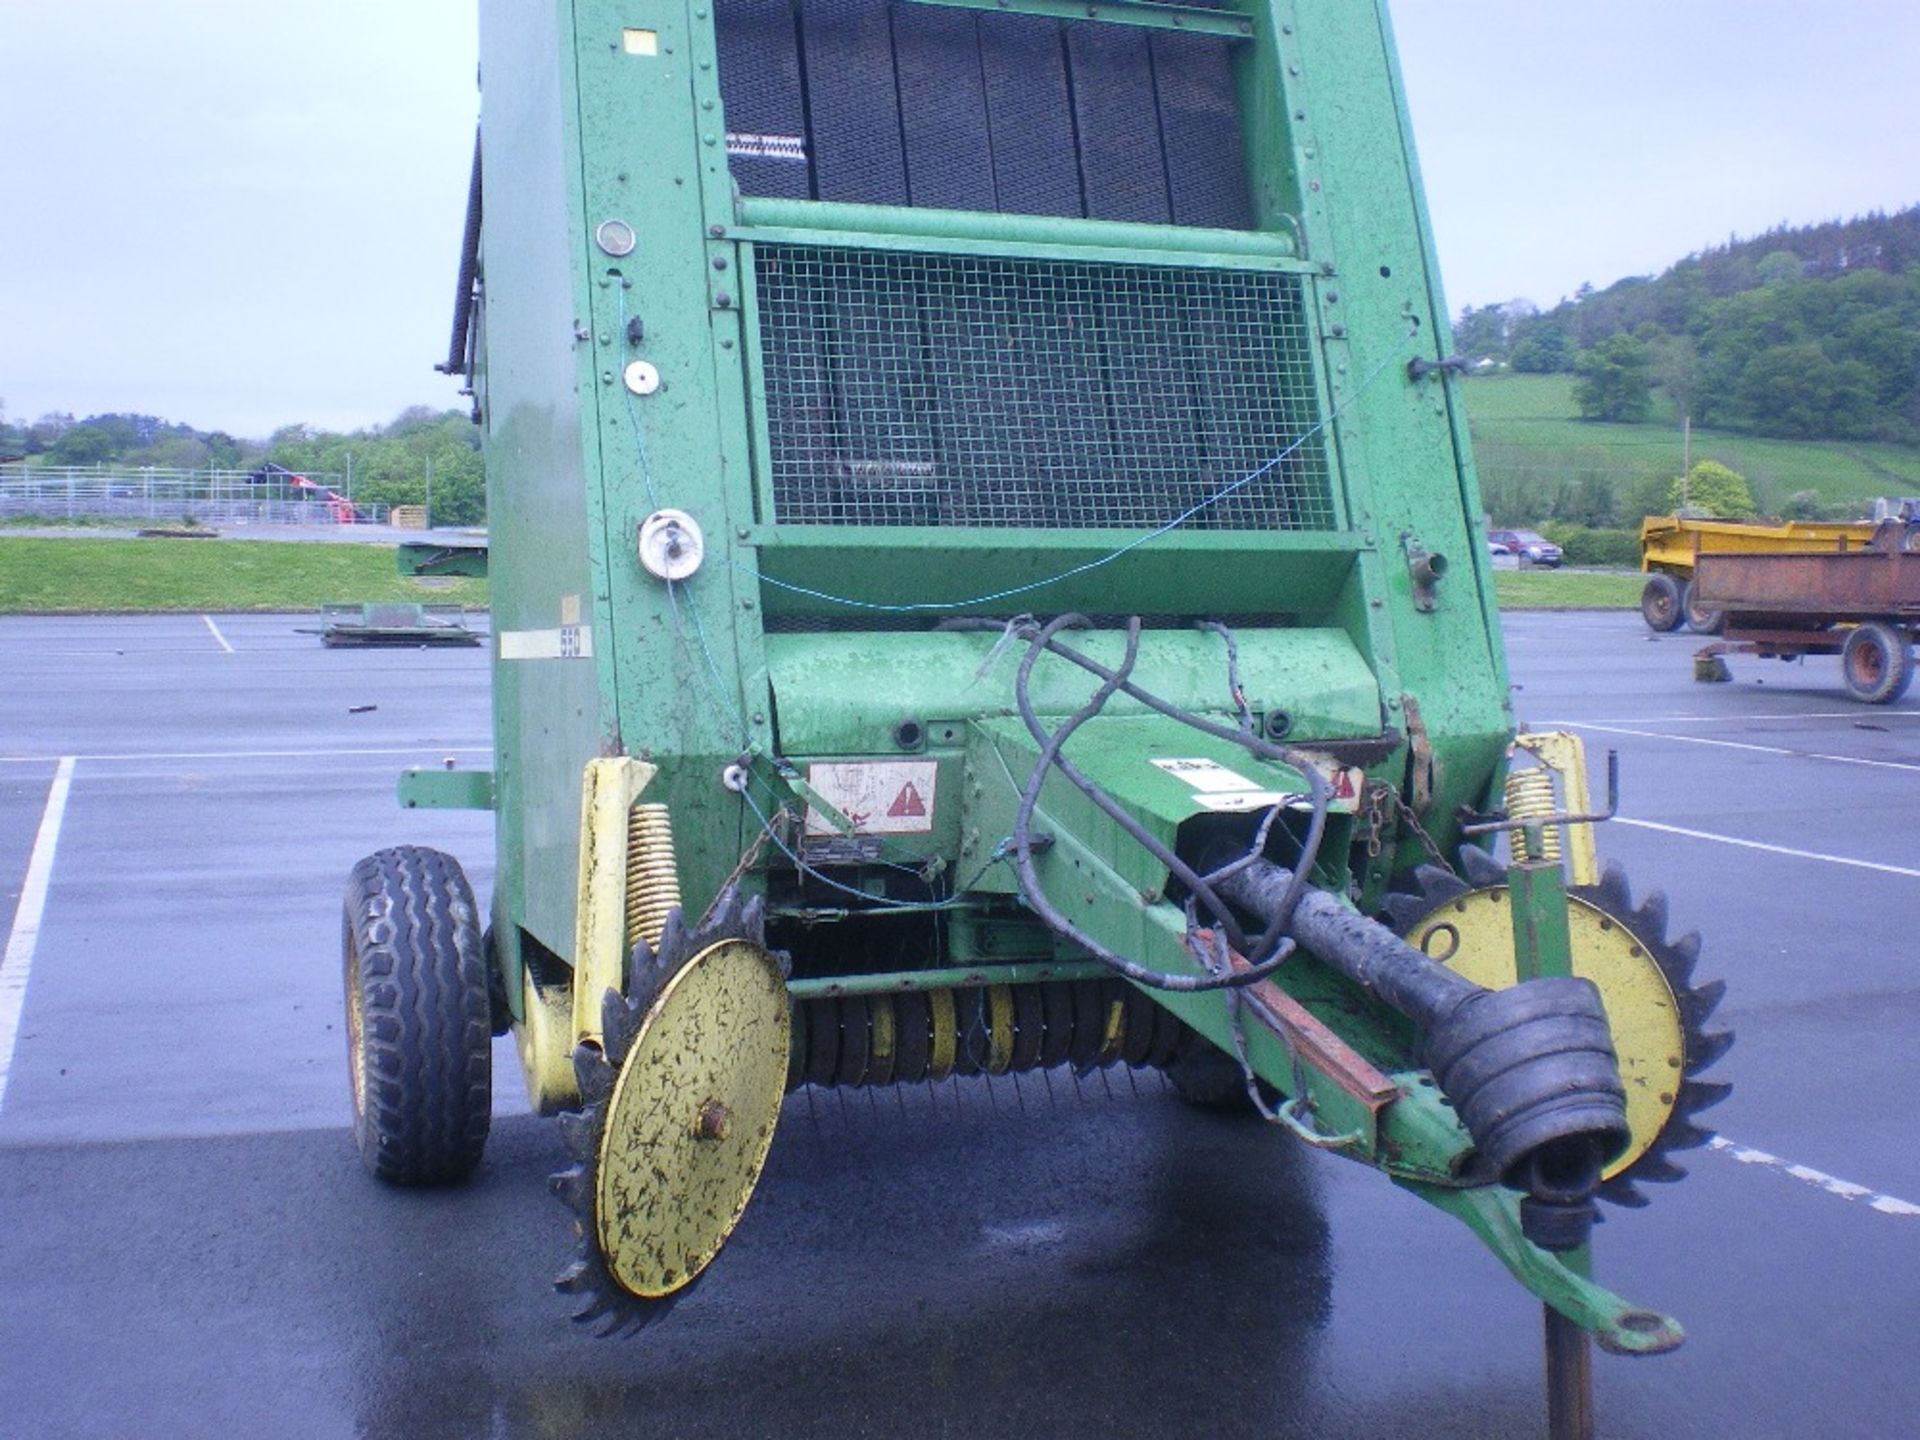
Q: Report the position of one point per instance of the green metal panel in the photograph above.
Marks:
(684, 668)
(446, 790)
(977, 232)
(814, 570)
(551, 714)
(1401, 442)
(451, 555)
(846, 694)
(973, 977)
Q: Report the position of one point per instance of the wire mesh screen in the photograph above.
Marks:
(910, 389)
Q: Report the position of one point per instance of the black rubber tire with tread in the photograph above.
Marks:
(1876, 664)
(412, 946)
(499, 1007)
(1701, 622)
(1206, 1076)
(1660, 604)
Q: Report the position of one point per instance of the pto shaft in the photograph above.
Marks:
(1530, 1070)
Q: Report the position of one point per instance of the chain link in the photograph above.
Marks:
(1381, 795)
(1376, 821)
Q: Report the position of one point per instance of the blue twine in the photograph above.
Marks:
(937, 606)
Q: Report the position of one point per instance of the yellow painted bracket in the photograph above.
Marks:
(1566, 756)
(544, 1037)
(609, 787)
(557, 1017)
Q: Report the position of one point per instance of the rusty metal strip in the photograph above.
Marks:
(1317, 1045)
(1740, 639)
(1421, 764)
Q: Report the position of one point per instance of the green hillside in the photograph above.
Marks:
(1535, 456)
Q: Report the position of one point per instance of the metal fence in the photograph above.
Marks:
(57, 493)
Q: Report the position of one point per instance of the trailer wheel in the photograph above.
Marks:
(419, 1031)
(1699, 619)
(1875, 663)
(1660, 604)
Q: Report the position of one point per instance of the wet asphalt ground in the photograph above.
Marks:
(189, 1247)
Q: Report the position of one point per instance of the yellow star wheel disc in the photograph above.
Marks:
(691, 1117)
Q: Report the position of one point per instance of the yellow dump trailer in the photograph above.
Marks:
(1670, 544)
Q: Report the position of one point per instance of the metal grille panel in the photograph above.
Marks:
(919, 389)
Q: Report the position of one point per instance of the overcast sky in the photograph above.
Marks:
(244, 213)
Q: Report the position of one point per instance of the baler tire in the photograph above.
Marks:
(499, 1007)
(419, 1031)
(1208, 1078)
(1701, 622)
(912, 1038)
(1661, 604)
(1056, 1043)
(1876, 664)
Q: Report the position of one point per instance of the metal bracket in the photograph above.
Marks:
(1493, 1213)
(1421, 763)
(1419, 368)
(1426, 567)
(465, 556)
(446, 789)
(1473, 822)
(1564, 754)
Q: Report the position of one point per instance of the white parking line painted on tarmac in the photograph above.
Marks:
(1755, 717)
(37, 652)
(313, 754)
(224, 644)
(1786, 850)
(1819, 1179)
(17, 962)
(1743, 745)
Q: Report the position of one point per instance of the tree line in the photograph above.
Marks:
(1810, 333)
(391, 464)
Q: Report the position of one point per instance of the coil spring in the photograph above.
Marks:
(1529, 796)
(653, 877)
(992, 1030)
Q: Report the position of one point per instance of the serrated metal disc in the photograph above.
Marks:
(690, 1119)
(1654, 1036)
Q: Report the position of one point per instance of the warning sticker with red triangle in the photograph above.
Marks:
(876, 797)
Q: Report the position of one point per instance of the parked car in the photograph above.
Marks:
(1531, 546)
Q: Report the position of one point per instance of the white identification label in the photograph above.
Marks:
(568, 642)
(880, 797)
(1218, 788)
(767, 147)
(1207, 775)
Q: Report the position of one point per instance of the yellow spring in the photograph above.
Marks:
(653, 879)
(1529, 795)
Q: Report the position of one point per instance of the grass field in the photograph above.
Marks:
(1528, 437)
(78, 576)
(1568, 589)
(51, 576)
